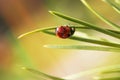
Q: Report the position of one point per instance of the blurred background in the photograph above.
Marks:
(20, 16)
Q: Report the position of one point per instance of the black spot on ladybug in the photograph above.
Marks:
(64, 31)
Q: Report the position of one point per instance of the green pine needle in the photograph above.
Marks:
(35, 31)
(53, 28)
(42, 74)
(111, 78)
(111, 71)
(77, 38)
(94, 27)
(112, 74)
(92, 71)
(83, 47)
(100, 16)
(115, 6)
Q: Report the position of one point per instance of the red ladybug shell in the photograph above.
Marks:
(64, 31)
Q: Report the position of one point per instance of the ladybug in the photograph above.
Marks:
(64, 31)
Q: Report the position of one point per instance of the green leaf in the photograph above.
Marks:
(115, 6)
(94, 27)
(42, 74)
(83, 47)
(100, 16)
